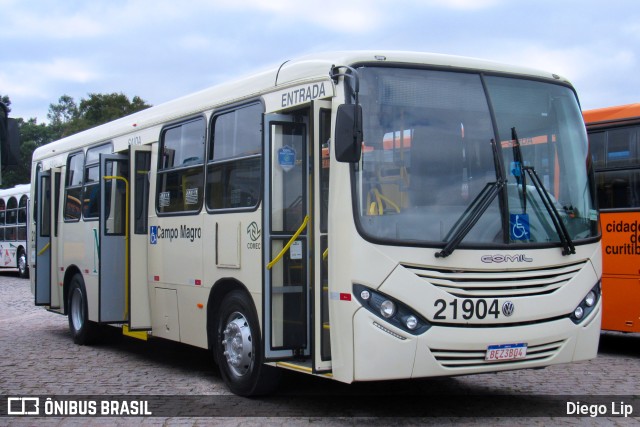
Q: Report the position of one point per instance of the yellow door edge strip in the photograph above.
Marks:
(289, 243)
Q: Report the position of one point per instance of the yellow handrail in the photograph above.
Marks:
(44, 249)
(126, 242)
(289, 243)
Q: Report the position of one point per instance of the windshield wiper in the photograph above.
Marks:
(470, 217)
(561, 229)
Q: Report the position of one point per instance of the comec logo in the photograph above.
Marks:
(498, 258)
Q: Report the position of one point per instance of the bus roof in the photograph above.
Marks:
(289, 73)
(15, 191)
(618, 113)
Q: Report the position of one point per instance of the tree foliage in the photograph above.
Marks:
(66, 118)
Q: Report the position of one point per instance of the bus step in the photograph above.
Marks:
(141, 335)
(304, 367)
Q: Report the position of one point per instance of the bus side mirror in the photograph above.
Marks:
(348, 139)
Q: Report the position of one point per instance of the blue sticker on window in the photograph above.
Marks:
(515, 169)
(287, 158)
(519, 226)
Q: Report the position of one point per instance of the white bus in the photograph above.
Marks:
(14, 203)
(353, 215)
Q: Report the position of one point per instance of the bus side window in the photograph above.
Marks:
(235, 165)
(180, 168)
(73, 187)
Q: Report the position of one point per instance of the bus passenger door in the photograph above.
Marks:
(44, 215)
(114, 229)
(139, 307)
(321, 132)
(286, 237)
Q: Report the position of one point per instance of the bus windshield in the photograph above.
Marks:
(434, 141)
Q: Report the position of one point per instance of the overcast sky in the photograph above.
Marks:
(160, 50)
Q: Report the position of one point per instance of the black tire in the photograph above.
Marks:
(238, 348)
(23, 269)
(82, 329)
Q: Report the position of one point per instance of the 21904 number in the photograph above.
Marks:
(466, 309)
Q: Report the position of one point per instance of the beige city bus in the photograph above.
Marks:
(353, 215)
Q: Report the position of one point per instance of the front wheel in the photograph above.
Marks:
(82, 329)
(238, 348)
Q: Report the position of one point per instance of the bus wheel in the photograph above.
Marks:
(82, 329)
(238, 348)
(22, 264)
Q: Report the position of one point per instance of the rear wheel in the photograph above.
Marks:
(238, 348)
(82, 329)
(22, 264)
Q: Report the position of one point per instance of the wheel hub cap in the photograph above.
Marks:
(237, 344)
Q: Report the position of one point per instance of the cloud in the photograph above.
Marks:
(336, 15)
(53, 23)
(32, 86)
(462, 4)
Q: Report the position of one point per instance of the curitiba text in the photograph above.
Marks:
(629, 228)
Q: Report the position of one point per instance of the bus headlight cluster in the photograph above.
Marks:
(391, 310)
(586, 305)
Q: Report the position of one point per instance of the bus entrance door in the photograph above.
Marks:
(114, 230)
(321, 133)
(44, 214)
(286, 237)
(140, 310)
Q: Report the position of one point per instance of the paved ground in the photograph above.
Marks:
(38, 358)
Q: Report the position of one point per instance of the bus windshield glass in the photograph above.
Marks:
(434, 140)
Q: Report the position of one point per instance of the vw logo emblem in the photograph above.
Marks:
(507, 308)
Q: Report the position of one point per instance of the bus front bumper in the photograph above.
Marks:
(382, 351)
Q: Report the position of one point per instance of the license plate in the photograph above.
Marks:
(497, 353)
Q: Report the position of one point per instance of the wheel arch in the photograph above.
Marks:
(218, 291)
(70, 271)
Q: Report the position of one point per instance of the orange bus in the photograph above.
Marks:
(614, 136)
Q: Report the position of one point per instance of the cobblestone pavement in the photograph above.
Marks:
(38, 357)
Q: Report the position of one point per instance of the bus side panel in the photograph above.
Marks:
(621, 272)
(620, 243)
(621, 302)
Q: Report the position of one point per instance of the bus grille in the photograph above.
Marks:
(459, 359)
(498, 284)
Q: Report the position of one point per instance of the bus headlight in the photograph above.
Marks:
(590, 299)
(391, 310)
(411, 322)
(387, 308)
(586, 305)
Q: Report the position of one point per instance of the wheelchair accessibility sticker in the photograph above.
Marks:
(153, 234)
(519, 226)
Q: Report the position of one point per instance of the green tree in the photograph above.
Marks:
(60, 115)
(68, 118)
